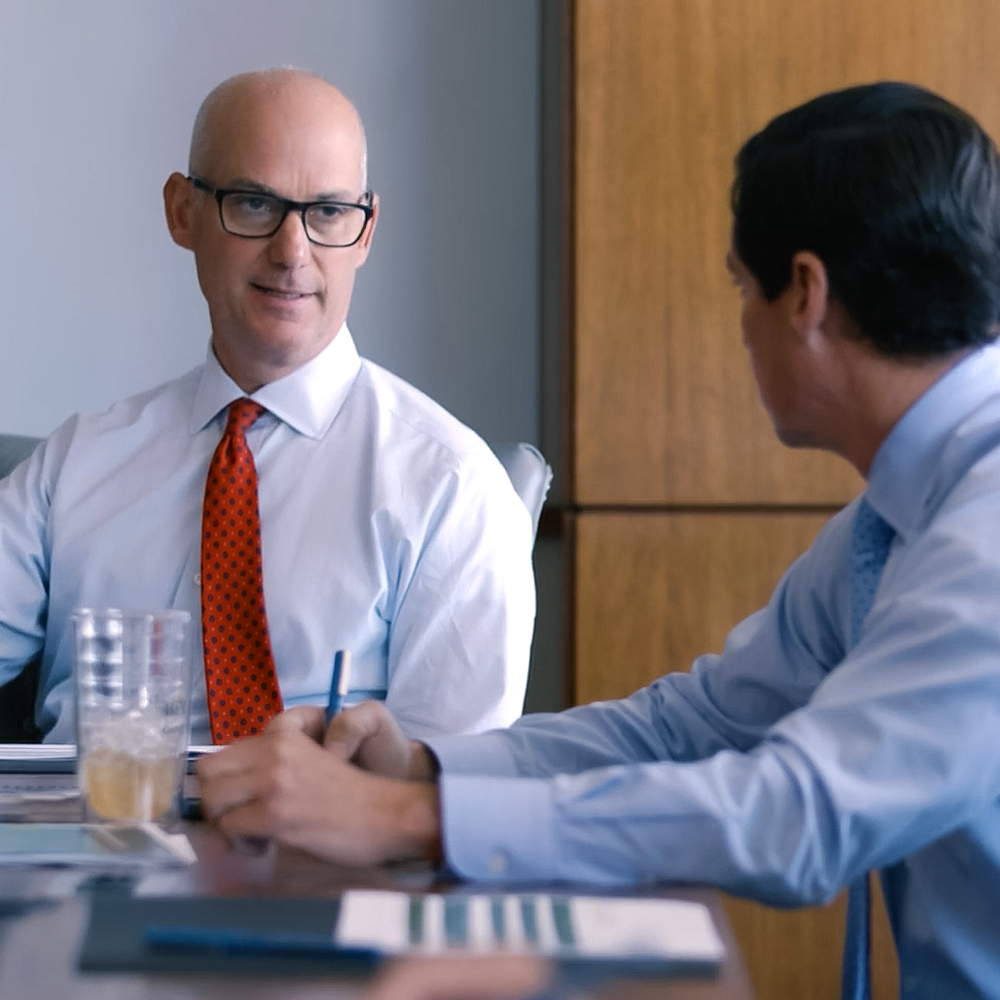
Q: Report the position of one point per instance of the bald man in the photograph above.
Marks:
(387, 528)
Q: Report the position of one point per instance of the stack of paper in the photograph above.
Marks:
(577, 927)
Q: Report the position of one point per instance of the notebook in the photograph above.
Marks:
(253, 935)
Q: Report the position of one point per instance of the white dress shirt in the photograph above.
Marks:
(388, 528)
(793, 762)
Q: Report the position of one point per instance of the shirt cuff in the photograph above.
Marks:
(498, 829)
(484, 753)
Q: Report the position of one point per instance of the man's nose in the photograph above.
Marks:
(289, 246)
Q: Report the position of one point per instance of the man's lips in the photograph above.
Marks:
(286, 294)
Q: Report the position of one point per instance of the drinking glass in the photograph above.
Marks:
(132, 673)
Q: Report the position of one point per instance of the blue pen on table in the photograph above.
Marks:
(339, 683)
(255, 942)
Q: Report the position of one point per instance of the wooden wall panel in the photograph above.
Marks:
(652, 592)
(665, 91)
(663, 410)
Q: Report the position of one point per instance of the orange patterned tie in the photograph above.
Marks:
(240, 680)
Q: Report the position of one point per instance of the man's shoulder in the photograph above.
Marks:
(171, 400)
(176, 391)
(405, 414)
(144, 426)
(126, 427)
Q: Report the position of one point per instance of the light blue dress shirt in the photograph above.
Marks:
(388, 528)
(783, 769)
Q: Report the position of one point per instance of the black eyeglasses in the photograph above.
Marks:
(256, 215)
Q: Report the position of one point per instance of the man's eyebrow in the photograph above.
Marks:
(246, 184)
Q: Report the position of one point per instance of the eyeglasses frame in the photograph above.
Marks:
(301, 207)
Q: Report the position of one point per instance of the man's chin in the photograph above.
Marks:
(290, 348)
(266, 352)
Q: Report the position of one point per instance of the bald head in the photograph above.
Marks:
(275, 300)
(236, 102)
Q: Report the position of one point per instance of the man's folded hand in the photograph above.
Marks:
(285, 786)
(368, 736)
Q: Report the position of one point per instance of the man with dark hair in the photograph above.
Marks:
(852, 724)
(895, 190)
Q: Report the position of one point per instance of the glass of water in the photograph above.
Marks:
(132, 673)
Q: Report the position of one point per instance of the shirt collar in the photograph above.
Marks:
(923, 456)
(307, 399)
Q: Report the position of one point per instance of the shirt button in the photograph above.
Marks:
(498, 862)
(197, 579)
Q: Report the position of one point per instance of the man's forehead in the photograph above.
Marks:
(276, 127)
(294, 159)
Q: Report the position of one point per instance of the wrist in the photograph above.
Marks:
(418, 821)
(424, 765)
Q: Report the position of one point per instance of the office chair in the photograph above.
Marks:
(13, 450)
(530, 475)
(17, 697)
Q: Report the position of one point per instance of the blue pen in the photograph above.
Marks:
(255, 942)
(339, 683)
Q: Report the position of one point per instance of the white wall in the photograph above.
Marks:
(96, 103)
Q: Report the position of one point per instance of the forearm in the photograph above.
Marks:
(659, 722)
(826, 797)
(726, 702)
(716, 821)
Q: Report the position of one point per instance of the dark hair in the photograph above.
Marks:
(897, 191)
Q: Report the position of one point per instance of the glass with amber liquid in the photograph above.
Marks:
(132, 675)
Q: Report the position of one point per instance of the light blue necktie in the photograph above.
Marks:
(870, 543)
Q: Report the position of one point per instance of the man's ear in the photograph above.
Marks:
(809, 292)
(178, 204)
(365, 243)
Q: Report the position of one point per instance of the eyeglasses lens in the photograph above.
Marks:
(257, 215)
(334, 225)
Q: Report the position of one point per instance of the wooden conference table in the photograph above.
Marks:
(44, 913)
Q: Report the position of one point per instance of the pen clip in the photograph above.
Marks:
(342, 671)
(340, 682)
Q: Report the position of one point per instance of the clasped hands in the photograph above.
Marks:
(356, 791)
